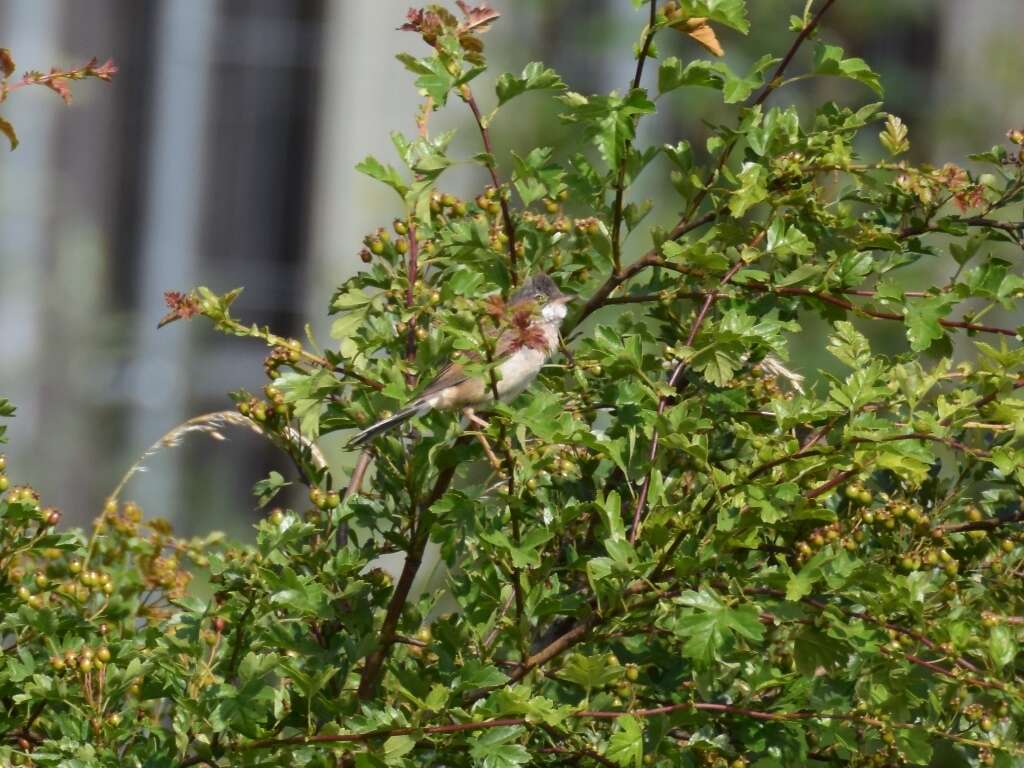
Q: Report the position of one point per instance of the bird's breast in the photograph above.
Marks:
(518, 371)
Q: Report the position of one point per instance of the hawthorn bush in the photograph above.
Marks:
(672, 550)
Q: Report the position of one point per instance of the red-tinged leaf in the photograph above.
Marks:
(8, 130)
(104, 71)
(478, 17)
(6, 62)
(59, 85)
(413, 20)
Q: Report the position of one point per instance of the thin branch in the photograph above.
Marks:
(652, 455)
(506, 213)
(807, 31)
(620, 181)
(412, 271)
(374, 665)
(665, 709)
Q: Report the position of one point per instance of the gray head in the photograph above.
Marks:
(542, 291)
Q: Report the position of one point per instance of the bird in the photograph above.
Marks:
(532, 319)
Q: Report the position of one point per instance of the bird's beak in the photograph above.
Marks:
(566, 298)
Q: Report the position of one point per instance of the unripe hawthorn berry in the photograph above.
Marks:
(4, 483)
(332, 500)
(40, 580)
(400, 227)
(114, 719)
(277, 517)
(52, 518)
(103, 654)
(24, 594)
(1006, 545)
(401, 246)
(219, 624)
(422, 333)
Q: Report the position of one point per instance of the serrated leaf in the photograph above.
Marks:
(894, 137)
(535, 77)
(922, 319)
(828, 60)
(493, 749)
(385, 174)
(753, 189)
(626, 745)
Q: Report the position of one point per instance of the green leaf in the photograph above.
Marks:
(589, 672)
(493, 748)
(849, 345)
(753, 189)
(397, 747)
(922, 319)
(731, 13)
(535, 77)
(385, 174)
(828, 60)
(269, 487)
(700, 73)
(626, 745)
(894, 137)
(434, 78)
(1002, 649)
(712, 624)
(915, 744)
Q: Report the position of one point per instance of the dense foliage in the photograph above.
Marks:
(673, 550)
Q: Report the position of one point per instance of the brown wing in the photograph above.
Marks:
(449, 376)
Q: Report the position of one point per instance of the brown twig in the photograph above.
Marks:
(506, 213)
(374, 665)
(620, 181)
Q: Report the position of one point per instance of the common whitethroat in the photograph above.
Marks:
(532, 319)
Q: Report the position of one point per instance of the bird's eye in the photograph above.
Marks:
(540, 298)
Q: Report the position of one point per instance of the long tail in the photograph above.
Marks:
(384, 425)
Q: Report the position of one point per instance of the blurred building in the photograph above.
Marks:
(222, 155)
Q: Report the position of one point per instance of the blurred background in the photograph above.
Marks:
(222, 155)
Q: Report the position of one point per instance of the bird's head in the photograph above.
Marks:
(541, 292)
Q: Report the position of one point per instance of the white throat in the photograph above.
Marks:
(554, 313)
